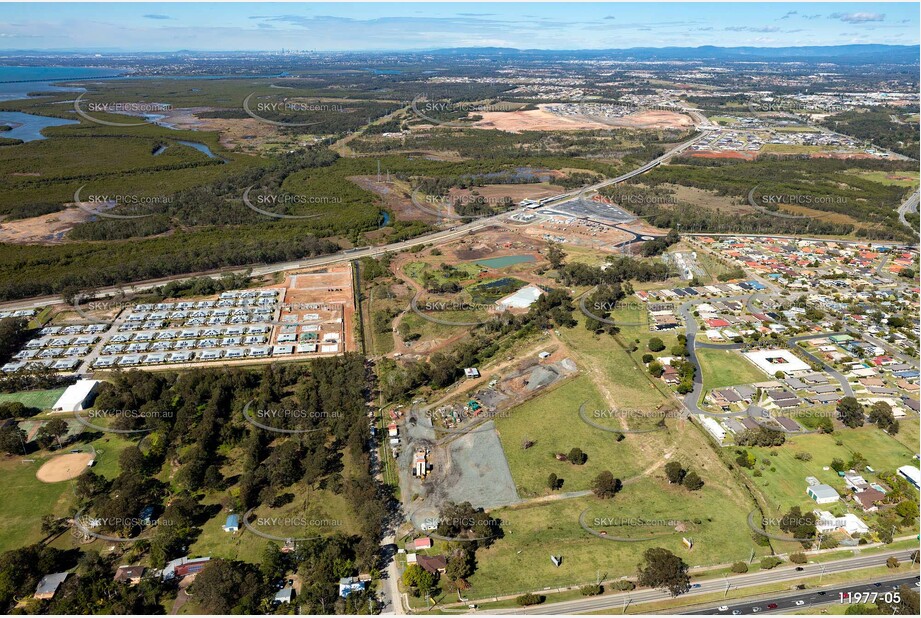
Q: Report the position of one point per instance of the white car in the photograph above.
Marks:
(722, 608)
(800, 602)
(755, 610)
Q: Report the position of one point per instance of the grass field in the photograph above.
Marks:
(312, 513)
(25, 499)
(612, 368)
(521, 558)
(786, 486)
(552, 421)
(43, 400)
(726, 368)
(900, 178)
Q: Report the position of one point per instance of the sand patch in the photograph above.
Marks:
(542, 120)
(44, 229)
(63, 467)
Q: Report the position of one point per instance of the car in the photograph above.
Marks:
(696, 586)
(798, 569)
(722, 608)
(736, 612)
(772, 605)
(877, 584)
(755, 610)
(800, 602)
(822, 593)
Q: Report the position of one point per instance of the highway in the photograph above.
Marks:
(802, 600)
(349, 254)
(909, 205)
(736, 582)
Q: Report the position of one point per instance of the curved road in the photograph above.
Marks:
(909, 205)
(691, 399)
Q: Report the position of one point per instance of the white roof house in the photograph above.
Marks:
(850, 523)
(76, 396)
(911, 474)
(822, 494)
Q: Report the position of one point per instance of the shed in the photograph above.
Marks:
(232, 524)
(77, 396)
(49, 584)
(822, 494)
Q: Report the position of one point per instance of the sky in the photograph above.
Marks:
(254, 26)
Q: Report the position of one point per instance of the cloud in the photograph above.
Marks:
(790, 14)
(751, 29)
(474, 14)
(858, 18)
(610, 17)
(156, 16)
(816, 16)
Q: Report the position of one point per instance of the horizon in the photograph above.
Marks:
(414, 27)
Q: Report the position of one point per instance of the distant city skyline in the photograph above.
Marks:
(252, 26)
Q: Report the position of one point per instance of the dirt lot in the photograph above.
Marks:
(542, 120)
(63, 467)
(46, 229)
(328, 294)
(577, 232)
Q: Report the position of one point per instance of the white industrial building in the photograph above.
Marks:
(76, 397)
(772, 361)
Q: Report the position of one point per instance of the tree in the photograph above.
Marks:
(881, 415)
(656, 369)
(850, 412)
(605, 485)
(12, 440)
(656, 345)
(675, 472)
(51, 431)
(692, 481)
(461, 565)
(555, 255)
(739, 567)
(576, 456)
(228, 587)
(798, 558)
(420, 580)
(837, 465)
(552, 481)
(529, 599)
(663, 569)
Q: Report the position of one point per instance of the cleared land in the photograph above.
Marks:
(63, 467)
(726, 368)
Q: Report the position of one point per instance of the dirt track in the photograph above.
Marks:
(63, 467)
